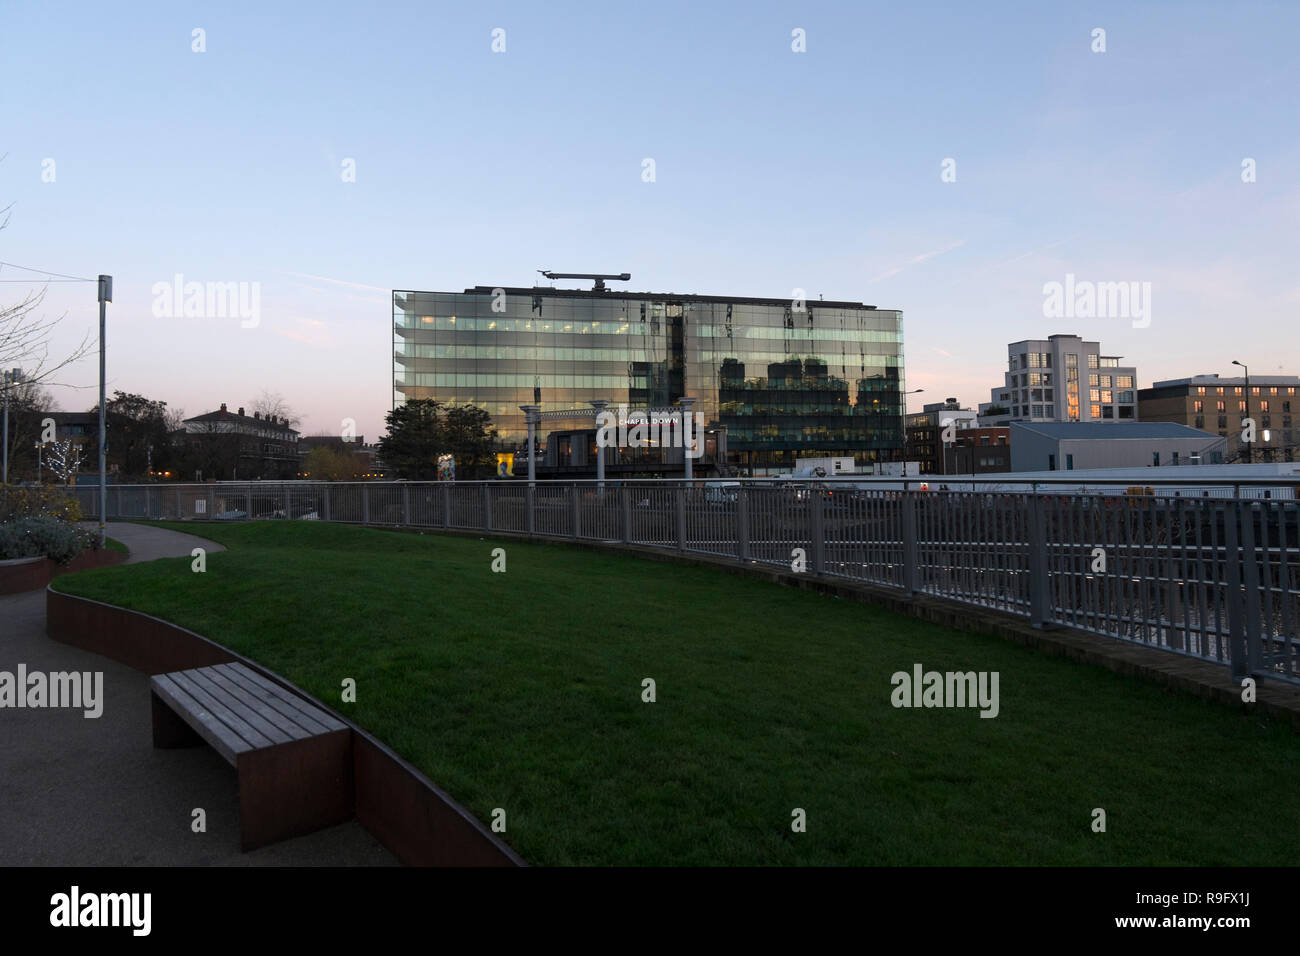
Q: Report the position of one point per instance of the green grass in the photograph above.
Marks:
(522, 691)
(112, 544)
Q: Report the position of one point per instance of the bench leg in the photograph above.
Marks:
(295, 788)
(169, 730)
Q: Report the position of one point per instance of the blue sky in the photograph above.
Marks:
(774, 170)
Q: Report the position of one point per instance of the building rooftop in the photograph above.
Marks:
(1115, 431)
(253, 421)
(1214, 379)
(548, 292)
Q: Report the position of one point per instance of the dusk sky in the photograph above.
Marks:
(774, 170)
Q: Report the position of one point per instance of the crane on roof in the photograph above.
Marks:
(598, 276)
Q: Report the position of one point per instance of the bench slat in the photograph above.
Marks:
(221, 711)
(287, 702)
(238, 703)
(287, 720)
(224, 740)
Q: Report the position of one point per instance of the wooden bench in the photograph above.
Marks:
(294, 759)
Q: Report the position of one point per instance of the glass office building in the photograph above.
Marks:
(785, 382)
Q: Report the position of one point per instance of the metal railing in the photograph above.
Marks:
(1213, 573)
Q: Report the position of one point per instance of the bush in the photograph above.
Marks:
(41, 536)
(46, 501)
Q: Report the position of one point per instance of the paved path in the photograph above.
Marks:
(93, 792)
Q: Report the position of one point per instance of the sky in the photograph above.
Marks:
(330, 152)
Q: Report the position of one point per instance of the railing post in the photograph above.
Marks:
(487, 506)
(680, 499)
(446, 505)
(910, 551)
(742, 523)
(325, 502)
(530, 501)
(1238, 655)
(248, 503)
(406, 504)
(817, 529)
(1250, 579)
(1040, 586)
(573, 508)
(365, 503)
(625, 502)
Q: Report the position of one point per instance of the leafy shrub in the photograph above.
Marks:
(48, 501)
(43, 536)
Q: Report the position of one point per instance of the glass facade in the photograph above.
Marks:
(827, 380)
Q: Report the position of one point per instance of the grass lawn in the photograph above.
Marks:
(523, 691)
(112, 544)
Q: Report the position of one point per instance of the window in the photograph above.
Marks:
(1155, 458)
(1241, 407)
(1198, 407)
(1094, 411)
(1107, 396)
(1069, 463)
(1107, 411)
(1263, 407)
(1200, 421)
(1200, 390)
(1105, 381)
(1071, 359)
(1051, 463)
(1222, 407)
(1123, 381)
(1092, 361)
(1125, 397)
(1175, 457)
(1111, 362)
(1126, 411)
(1094, 380)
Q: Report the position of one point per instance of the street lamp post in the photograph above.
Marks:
(105, 296)
(531, 416)
(12, 378)
(1250, 458)
(903, 397)
(599, 405)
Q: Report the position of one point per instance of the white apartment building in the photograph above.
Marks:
(1062, 379)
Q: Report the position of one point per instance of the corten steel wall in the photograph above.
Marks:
(418, 821)
(29, 574)
(1214, 574)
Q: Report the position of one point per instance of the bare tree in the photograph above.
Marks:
(25, 333)
(63, 458)
(275, 404)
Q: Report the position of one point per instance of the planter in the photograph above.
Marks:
(416, 819)
(29, 574)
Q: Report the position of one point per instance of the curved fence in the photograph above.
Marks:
(1213, 572)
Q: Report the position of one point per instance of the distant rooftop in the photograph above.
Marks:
(1214, 379)
(548, 292)
(1115, 431)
